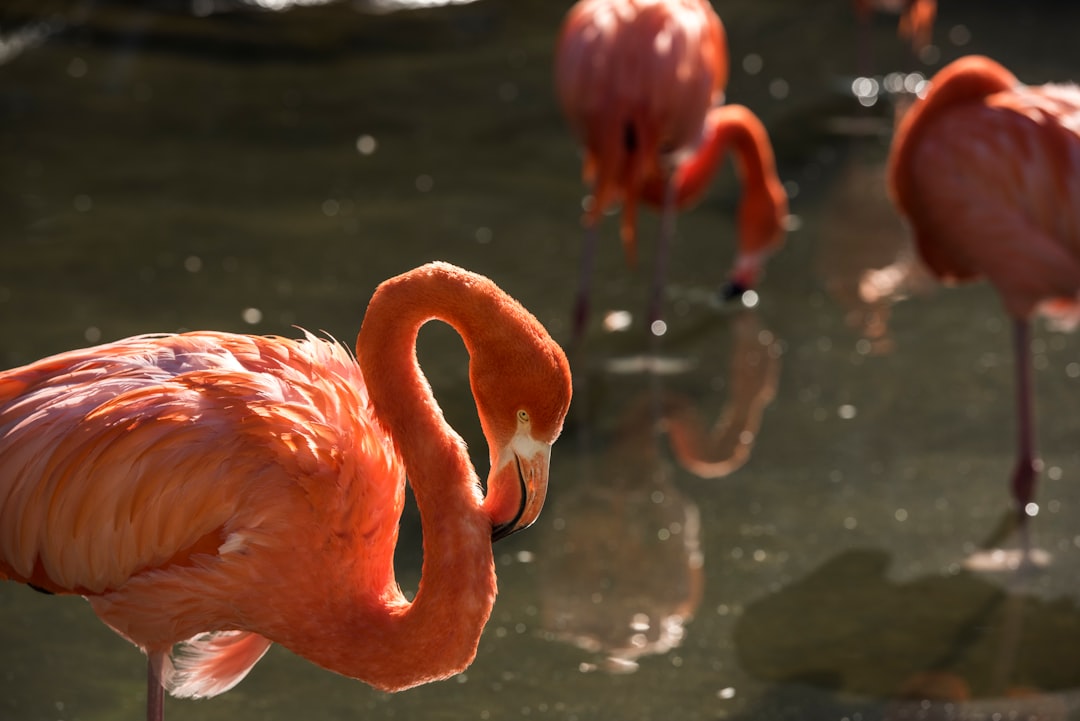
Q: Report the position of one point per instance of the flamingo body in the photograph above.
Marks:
(222, 492)
(640, 82)
(635, 79)
(987, 171)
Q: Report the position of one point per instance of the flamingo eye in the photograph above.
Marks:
(523, 416)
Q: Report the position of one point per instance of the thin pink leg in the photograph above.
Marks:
(1025, 476)
(581, 303)
(155, 694)
(663, 250)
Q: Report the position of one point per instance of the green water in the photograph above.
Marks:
(255, 171)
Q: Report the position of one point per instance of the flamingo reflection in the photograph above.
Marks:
(623, 572)
(866, 258)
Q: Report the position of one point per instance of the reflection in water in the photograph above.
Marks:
(624, 567)
(176, 172)
(866, 257)
(949, 638)
(389, 6)
(377, 7)
(275, 5)
(16, 42)
(755, 374)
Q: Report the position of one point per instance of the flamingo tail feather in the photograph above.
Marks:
(211, 663)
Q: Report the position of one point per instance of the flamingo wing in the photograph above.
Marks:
(635, 80)
(162, 452)
(995, 181)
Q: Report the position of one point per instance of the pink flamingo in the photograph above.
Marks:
(987, 171)
(916, 18)
(220, 492)
(638, 81)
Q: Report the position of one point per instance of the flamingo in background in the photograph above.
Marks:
(639, 82)
(221, 492)
(987, 171)
(916, 18)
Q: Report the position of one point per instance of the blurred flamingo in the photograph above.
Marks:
(916, 18)
(220, 492)
(638, 81)
(987, 171)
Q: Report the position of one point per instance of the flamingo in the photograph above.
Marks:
(640, 83)
(212, 493)
(916, 18)
(987, 172)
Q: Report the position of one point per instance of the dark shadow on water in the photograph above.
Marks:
(954, 638)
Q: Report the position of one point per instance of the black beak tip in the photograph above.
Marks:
(731, 290)
(506, 529)
(512, 526)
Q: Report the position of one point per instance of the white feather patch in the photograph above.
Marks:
(211, 663)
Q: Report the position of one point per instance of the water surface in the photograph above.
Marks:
(168, 167)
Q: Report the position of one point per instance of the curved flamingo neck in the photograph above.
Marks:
(764, 203)
(727, 126)
(436, 635)
(718, 451)
(435, 457)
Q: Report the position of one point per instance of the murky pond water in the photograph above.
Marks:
(764, 514)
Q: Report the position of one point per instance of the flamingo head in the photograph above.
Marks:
(517, 484)
(763, 218)
(522, 390)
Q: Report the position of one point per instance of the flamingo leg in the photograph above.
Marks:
(155, 694)
(1025, 474)
(663, 250)
(581, 304)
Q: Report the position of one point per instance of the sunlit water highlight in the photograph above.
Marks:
(179, 166)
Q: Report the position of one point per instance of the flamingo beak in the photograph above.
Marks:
(518, 487)
(730, 290)
(743, 276)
